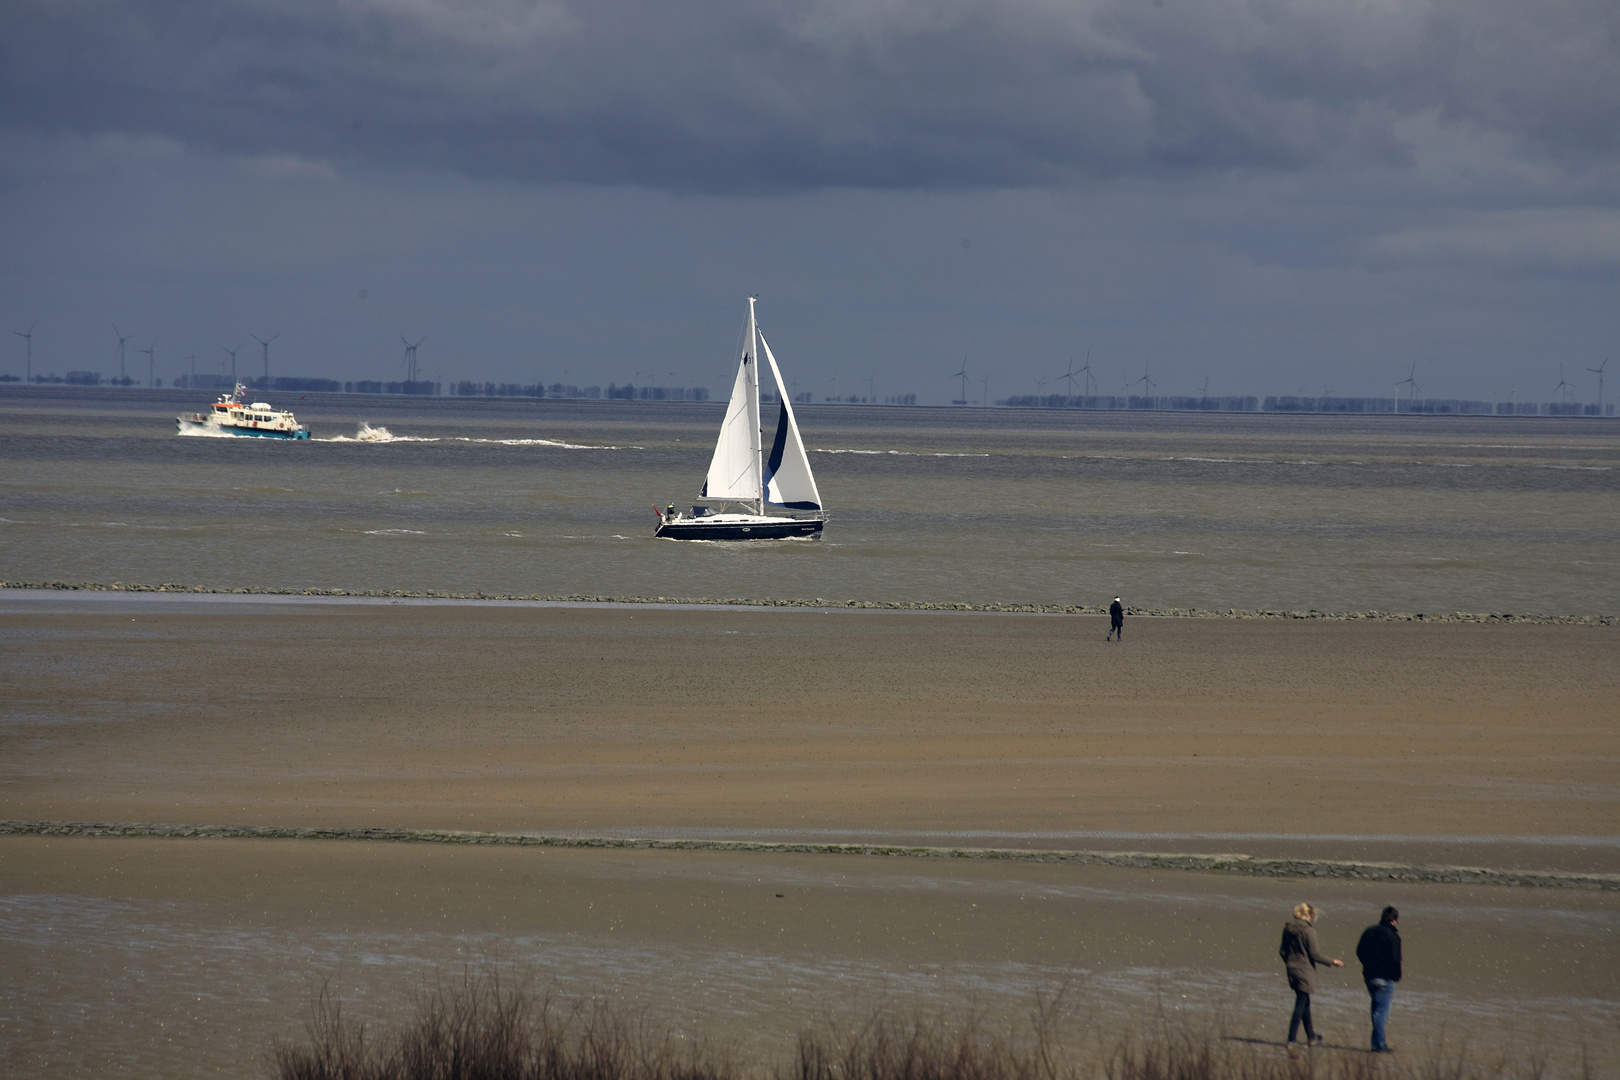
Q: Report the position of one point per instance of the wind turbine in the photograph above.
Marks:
(122, 337)
(1564, 385)
(29, 337)
(871, 386)
(1203, 391)
(1086, 371)
(233, 353)
(1146, 381)
(1598, 371)
(410, 356)
(1411, 382)
(984, 391)
(266, 344)
(1040, 384)
(151, 362)
(193, 359)
(961, 373)
(1068, 376)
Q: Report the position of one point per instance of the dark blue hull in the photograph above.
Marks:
(776, 529)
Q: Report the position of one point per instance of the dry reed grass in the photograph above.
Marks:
(479, 1029)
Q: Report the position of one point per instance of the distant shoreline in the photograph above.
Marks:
(823, 604)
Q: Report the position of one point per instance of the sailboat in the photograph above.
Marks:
(743, 473)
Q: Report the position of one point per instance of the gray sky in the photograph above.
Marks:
(1280, 195)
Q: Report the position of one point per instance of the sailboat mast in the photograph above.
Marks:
(754, 427)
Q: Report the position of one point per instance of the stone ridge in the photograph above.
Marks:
(863, 605)
(1231, 864)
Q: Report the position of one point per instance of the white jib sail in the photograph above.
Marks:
(734, 469)
(788, 479)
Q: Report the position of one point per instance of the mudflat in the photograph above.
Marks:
(170, 958)
(1449, 744)
(1458, 744)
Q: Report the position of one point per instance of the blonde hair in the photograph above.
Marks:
(1304, 911)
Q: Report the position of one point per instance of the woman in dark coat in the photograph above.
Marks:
(1300, 954)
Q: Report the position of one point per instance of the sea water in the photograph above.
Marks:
(521, 496)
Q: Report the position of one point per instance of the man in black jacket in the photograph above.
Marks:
(1116, 621)
(1380, 954)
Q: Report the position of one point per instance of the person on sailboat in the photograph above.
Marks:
(1116, 621)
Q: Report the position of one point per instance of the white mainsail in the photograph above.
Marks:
(788, 479)
(734, 469)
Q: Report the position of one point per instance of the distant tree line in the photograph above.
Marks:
(466, 388)
(614, 392)
(74, 378)
(1293, 404)
(1134, 401)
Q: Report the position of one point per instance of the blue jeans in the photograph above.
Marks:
(1382, 992)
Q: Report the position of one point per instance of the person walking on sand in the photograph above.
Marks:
(1116, 621)
(1379, 951)
(1300, 955)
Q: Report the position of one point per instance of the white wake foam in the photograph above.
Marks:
(210, 432)
(380, 434)
(543, 442)
(894, 453)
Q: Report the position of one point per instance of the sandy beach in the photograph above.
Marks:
(889, 726)
(1426, 744)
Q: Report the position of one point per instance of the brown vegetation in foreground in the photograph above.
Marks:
(479, 1030)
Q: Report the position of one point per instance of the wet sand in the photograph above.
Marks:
(1458, 744)
(180, 957)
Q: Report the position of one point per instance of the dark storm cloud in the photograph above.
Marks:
(733, 96)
